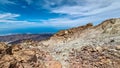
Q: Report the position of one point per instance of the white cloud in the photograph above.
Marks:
(82, 12)
(77, 12)
(90, 7)
(70, 21)
(29, 1)
(9, 21)
(3, 2)
(4, 16)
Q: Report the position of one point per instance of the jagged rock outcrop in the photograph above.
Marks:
(18, 56)
(111, 26)
(2, 47)
(81, 47)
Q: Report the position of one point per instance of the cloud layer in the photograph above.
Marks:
(3, 2)
(75, 11)
(79, 12)
(72, 13)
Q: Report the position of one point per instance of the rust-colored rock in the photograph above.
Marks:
(18, 56)
(2, 47)
(53, 64)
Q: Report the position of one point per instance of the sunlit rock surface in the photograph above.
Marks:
(85, 46)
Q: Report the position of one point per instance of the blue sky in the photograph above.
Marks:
(48, 16)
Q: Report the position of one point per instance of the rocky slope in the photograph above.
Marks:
(81, 47)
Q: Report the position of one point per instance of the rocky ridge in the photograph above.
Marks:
(81, 47)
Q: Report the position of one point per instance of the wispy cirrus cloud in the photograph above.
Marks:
(29, 1)
(76, 12)
(11, 18)
(72, 13)
(89, 8)
(5, 16)
(79, 12)
(70, 21)
(3, 2)
(10, 21)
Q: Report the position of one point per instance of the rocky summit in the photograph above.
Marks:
(85, 46)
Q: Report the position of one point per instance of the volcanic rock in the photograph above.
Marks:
(86, 46)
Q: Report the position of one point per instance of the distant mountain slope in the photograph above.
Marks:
(21, 37)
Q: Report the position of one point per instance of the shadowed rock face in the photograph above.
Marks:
(81, 47)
